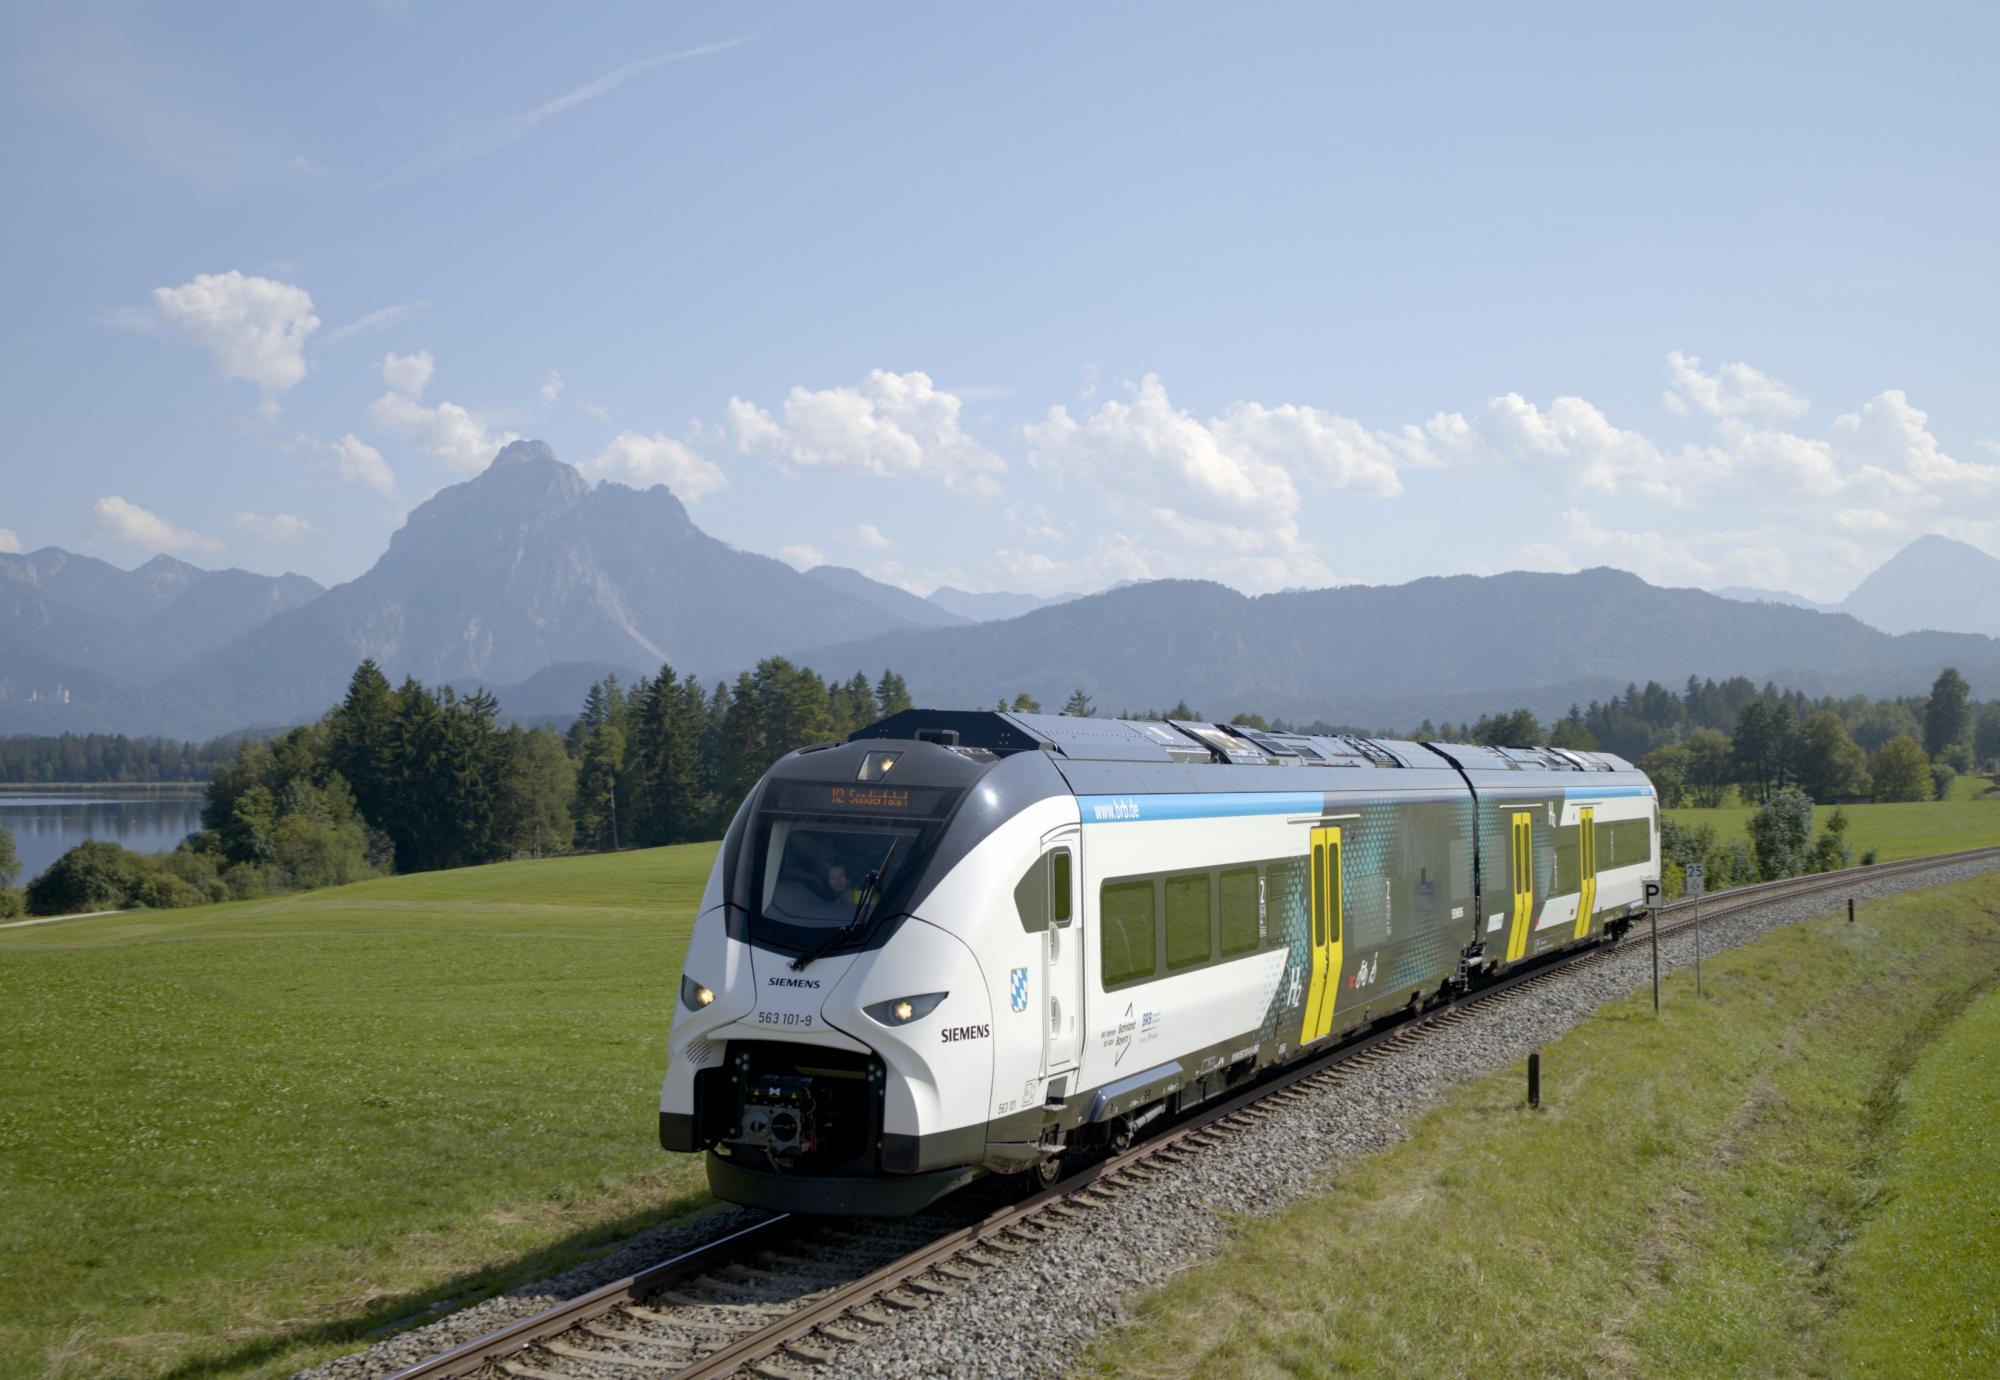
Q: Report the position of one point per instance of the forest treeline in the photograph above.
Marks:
(100, 758)
(410, 779)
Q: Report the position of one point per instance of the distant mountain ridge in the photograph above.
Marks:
(76, 630)
(531, 581)
(1934, 583)
(1451, 645)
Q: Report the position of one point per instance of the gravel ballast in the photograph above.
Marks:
(1033, 1313)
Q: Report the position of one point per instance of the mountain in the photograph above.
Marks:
(899, 604)
(1750, 594)
(83, 621)
(1396, 654)
(987, 608)
(524, 568)
(1934, 582)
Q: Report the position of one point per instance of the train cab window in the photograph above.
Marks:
(1059, 888)
(1189, 924)
(1236, 896)
(1125, 928)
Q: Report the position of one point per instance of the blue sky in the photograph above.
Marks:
(1036, 298)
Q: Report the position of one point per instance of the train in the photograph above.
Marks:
(970, 943)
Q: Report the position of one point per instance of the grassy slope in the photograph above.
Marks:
(1672, 1210)
(232, 1136)
(1924, 1276)
(1970, 819)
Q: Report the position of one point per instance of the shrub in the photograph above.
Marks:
(1942, 775)
(1901, 771)
(94, 875)
(1781, 832)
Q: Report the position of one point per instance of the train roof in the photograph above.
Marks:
(994, 734)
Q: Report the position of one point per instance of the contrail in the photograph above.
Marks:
(505, 132)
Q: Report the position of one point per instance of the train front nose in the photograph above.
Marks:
(858, 1083)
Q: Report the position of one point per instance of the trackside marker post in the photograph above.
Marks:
(1697, 884)
(1653, 914)
(1535, 1078)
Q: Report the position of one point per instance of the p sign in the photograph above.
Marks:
(1652, 893)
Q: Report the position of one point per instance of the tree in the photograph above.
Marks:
(1780, 833)
(1709, 758)
(1986, 738)
(1831, 765)
(1518, 729)
(891, 695)
(1764, 745)
(597, 788)
(1948, 715)
(1078, 706)
(1570, 731)
(1830, 852)
(1942, 775)
(1668, 767)
(1024, 703)
(10, 861)
(531, 808)
(1901, 771)
(361, 740)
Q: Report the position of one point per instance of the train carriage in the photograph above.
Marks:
(966, 943)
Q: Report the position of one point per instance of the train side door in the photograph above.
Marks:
(1062, 956)
(1586, 856)
(1326, 901)
(1523, 853)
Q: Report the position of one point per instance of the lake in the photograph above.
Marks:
(46, 824)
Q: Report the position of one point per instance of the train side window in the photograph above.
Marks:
(1237, 896)
(1188, 922)
(1059, 888)
(1125, 931)
(1031, 897)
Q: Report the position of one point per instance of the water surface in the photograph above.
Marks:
(46, 824)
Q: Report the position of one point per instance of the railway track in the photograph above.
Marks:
(780, 1297)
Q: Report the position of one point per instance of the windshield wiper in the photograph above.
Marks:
(869, 886)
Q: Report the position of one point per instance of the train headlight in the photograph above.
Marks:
(694, 996)
(903, 1010)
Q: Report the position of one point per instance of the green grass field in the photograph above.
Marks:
(1797, 1176)
(1970, 819)
(236, 1137)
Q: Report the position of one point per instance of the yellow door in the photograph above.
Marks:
(1326, 911)
(1524, 884)
(1586, 856)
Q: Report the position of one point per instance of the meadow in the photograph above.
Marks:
(235, 1138)
(1969, 819)
(1795, 1176)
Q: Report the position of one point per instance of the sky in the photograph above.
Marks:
(1034, 298)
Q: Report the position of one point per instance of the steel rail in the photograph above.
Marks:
(1117, 1170)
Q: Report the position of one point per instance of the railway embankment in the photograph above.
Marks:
(1795, 1174)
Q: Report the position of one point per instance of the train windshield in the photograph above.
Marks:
(819, 844)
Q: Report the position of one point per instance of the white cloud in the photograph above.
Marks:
(447, 431)
(1570, 446)
(551, 388)
(354, 460)
(642, 461)
(255, 327)
(1889, 438)
(10, 545)
(870, 536)
(1753, 557)
(501, 133)
(113, 519)
(1733, 390)
(374, 320)
(274, 526)
(408, 375)
(803, 556)
(892, 425)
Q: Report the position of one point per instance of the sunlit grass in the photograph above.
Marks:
(1681, 1204)
(1970, 819)
(232, 1136)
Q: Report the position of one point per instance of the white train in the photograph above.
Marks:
(967, 943)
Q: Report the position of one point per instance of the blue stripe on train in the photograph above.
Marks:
(1126, 809)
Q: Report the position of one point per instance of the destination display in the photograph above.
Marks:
(871, 797)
